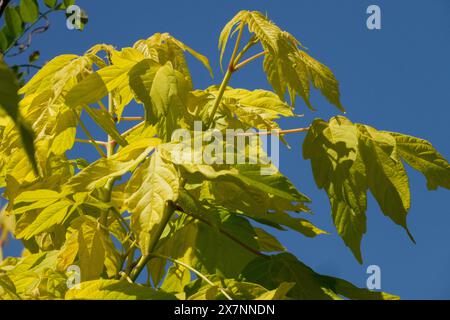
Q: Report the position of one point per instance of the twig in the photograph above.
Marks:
(277, 132)
(243, 63)
(93, 141)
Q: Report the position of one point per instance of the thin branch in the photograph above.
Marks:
(93, 141)
(236, 47)
(224, 232)
(130, 119)
(28, 66)
(140, 124)
(198, 273)
(102, 143)
(243, 63)
(277, 132)
(43, 15)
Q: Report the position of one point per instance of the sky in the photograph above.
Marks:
(396, 78)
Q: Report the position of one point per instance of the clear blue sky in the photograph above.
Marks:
(396, 78)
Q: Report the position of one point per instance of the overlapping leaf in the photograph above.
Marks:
(288, 67)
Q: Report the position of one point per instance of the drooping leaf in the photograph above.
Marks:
(338, 168)
(288, 67)
(153, 184)
(285, 267)
(386, 176)
(421, 155)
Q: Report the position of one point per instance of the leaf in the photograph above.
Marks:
(52, 215)
(9, 102)
(34, 56)
(29, 10)
(267, 242)
(278, 293)
(421, 155)
(205, 248)
(162, 47)
(13, 21)
(256, 109)
(94, 248)
(65, 131)
(115, 290)
(288, 67)
(153, 184)
(99, 172)
(309, 285)
(386, 176)
(50, 3)
(104, 119)
(7, 289)
(338, 168)
(42, 79)
(168, 95)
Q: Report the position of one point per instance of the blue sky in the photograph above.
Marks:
(396, 79)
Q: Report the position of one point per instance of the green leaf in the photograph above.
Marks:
(29, 10)
(163, 48)
(52, 215)
(115, 290)
(7, 289)
(42, 80)
(99, 172)
(50, 3)
(13, 21)
(212, 245)
(154, 183)
(168, 95)
(34, 56)
(288, 67)
(386, 176)
(104, 119)
(65, 131)
(267, 242)
(9, 102)
(421, 155)
(4, 42)
(285, 267)
(338, 168)
(277, 294)
(256, 109)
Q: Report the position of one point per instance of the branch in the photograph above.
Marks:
(243, 63)
(276, 132)
(91, 139)
(42, 16)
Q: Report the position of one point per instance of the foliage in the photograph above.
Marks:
(190, 225)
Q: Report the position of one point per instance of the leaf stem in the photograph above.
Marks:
(243, 63)
(198, 273)
(102, 143)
